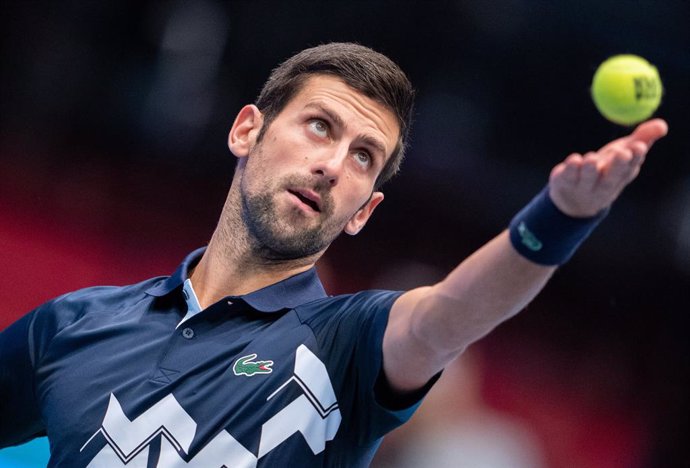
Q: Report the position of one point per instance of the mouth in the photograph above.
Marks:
(309, 198)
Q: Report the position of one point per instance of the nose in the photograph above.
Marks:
(329, 165)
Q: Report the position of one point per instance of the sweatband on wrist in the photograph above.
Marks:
(544, 234)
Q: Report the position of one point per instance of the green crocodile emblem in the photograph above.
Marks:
(529, 239)
(245, 366)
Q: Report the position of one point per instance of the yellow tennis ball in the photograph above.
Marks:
(626, 89)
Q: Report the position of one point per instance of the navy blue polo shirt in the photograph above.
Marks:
(283, 376)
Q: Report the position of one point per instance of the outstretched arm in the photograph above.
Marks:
(430, 326)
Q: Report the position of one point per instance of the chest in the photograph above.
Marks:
(218, 392)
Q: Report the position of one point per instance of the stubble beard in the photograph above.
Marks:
(276, 236)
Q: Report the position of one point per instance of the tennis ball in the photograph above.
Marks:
(626, 89)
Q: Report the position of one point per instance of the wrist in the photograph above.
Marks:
(545, 235)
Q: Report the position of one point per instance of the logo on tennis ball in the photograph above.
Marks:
(647, 88)
(626, 89)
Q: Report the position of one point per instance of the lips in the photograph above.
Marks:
(308, 197)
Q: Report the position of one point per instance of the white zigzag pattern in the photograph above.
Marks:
(314, 414)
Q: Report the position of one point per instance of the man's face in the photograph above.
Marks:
(312, 175)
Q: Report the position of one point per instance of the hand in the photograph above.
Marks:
(582, 186)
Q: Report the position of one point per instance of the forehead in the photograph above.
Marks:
(357, 110)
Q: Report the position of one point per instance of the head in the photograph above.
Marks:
(369, 72)
(329, 127)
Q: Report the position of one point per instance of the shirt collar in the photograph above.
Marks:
(286, 294)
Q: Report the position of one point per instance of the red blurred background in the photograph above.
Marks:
(114, 166)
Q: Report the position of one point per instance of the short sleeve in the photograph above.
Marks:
(20, 411)
(384, 410)
(351, 337)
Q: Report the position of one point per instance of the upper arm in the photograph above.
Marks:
(409, 360)
(430, 326)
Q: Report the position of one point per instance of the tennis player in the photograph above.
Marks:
(240, 358)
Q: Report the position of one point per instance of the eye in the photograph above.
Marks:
(363, 158)
(319, 127)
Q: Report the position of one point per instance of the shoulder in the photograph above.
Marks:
(348, 311)
(105, 295)
(64, 310)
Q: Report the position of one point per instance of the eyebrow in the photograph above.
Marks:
(337, 120)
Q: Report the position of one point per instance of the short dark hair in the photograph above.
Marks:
(369, 72)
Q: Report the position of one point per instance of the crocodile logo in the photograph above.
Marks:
(528, 238)
(245, 366)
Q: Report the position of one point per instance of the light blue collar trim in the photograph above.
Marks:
(193, 306)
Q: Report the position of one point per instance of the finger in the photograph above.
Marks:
(621, 162)
(571, 171)
(568, 171)
(639, 150)
(650, 131)
(638, 147)
(623, 170)
(633, 153)
(647, 133)
(589, 171)
(620, 168)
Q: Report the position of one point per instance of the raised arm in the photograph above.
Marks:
(430, 326)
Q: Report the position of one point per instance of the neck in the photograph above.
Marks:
(231, 266)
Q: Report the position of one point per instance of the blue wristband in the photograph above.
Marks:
(544, 234)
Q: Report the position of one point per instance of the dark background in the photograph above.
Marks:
(115, 165)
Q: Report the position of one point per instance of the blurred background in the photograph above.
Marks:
(113, 132)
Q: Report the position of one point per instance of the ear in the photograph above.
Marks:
(244, 130)
(360, 218)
